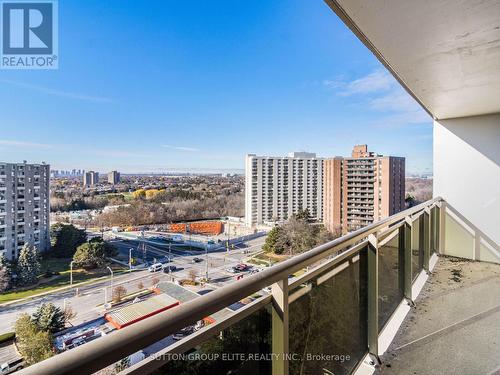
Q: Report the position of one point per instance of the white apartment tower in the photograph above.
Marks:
(113, 177)
(90, 179)
(24, 207)
(278, 187)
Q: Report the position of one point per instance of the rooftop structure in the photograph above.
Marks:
(138, 311)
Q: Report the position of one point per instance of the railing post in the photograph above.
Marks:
(373, 296)
(405, 245)
(442, 222)
(432, 226)
(426, 238)
(421, 240)
(280, 327)
(437, 218)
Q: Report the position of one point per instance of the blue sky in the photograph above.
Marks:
(195, 85)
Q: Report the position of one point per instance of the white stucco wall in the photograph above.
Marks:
(467, 169)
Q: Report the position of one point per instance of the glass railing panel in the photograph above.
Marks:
(417, 256)
(390, 277)
(242, 348)
(328, 325)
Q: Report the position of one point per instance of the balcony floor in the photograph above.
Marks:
(455, 327)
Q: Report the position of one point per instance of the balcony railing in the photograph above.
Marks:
(348, 291)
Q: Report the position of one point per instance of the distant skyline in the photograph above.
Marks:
(194, 86)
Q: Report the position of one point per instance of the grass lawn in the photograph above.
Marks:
(54, 282)
(264, 258)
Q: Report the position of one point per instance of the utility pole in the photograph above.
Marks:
(169, 261)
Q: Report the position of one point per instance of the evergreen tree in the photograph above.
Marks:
(90, 255)
(271, 240)
(28, 265)
(34, 345)
(5, 274)
(49, 317)
(66, 238)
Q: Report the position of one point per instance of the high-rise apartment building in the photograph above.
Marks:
(90, 178)
(362, 189)
(278, 187)
(113, 177)
(24, 207)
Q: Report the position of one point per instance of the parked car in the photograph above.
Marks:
(12, 366)
(155, 267)
(169, 268)
(205, 291)
(199, 325)
(197, 260)
(183, 333)
(232, 270)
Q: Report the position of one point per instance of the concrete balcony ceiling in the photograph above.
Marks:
(446, 53)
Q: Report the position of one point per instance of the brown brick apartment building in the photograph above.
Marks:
(362, 189)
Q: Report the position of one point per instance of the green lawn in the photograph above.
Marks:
(61, 266)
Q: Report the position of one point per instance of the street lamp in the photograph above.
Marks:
(130, 259)
(110, 270)
(71, 273)
(206, 261)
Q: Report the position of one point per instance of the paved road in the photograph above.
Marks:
(92, 295)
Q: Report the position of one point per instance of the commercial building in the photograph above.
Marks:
(278, 187)
(90, 179)
(130, 314)
(362, 189)
(24, 207)
(113, 177)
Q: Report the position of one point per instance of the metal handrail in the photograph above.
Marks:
(98, 354)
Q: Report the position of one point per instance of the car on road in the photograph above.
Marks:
(197, 260)
(169, 268)
(242, 267)
(155, 267)
(12, 366)
(183, 333)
